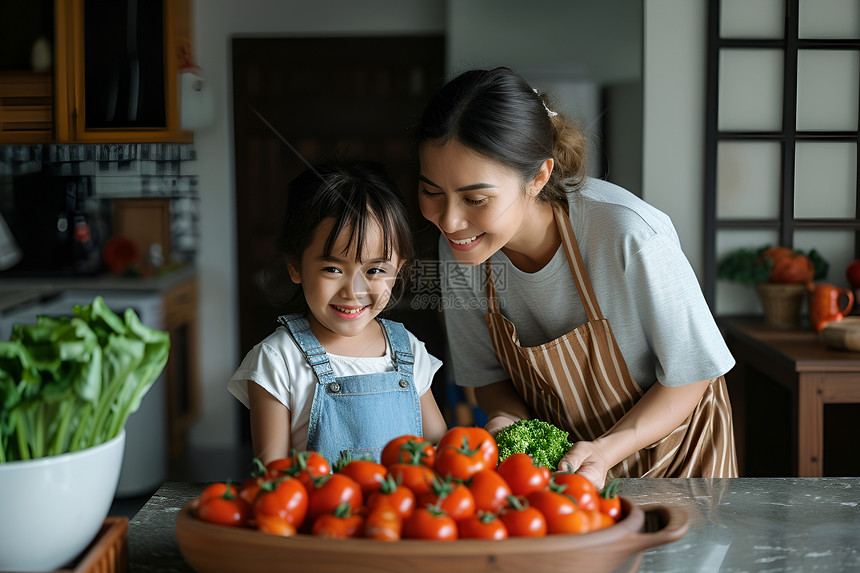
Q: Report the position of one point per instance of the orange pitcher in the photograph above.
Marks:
(824, 305)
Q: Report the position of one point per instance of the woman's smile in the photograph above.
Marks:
(466, 244)
(480, 205)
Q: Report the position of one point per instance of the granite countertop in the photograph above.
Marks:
(736, 525)
(18, 291)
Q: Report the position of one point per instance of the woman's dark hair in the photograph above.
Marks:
(357, 195)
(497, 114)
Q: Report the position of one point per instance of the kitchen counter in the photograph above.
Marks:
(17, 291)
(736, 525)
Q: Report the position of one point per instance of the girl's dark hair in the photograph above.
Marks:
(356, 194)
(497, 114)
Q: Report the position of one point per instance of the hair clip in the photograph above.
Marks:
(549, 112)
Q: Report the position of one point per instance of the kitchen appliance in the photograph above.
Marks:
(57, 223)
(144, 464)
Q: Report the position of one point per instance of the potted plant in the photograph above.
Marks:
(781, 276)
(67, 386)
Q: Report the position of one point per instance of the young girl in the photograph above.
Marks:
(334, 376)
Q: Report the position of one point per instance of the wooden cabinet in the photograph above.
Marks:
(115, 76)
(183, 399)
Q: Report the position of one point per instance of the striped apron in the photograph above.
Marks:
(580, 382)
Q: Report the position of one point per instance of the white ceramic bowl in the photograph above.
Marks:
(53, 507)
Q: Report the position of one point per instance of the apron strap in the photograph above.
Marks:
(577, 265)
(315, 354)
(492, 297)
(574, 260)
(401, 349)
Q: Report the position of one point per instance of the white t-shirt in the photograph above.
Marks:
(643, 282)
(278, 365)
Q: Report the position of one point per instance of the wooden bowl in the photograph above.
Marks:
(211, 548)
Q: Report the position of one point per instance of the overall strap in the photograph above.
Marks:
(401, 349)
(315, 354)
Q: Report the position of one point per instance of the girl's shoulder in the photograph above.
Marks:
(279, 343)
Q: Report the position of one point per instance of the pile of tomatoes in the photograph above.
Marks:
(455, 490)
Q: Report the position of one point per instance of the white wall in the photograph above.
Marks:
(674, 124)
(215, 22)
(599, 40)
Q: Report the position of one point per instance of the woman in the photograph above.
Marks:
(538, 260)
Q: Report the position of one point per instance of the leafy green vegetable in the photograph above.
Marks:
(545, 442)
(820, 264)
(745, 266)
(69, 383)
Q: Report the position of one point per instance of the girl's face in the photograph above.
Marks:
(344, 296)
(479, 204)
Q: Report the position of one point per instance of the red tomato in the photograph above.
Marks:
(225, 509)
(249, 488)
(599, 520)
(416, 477)
(522, 474)
(275, 526)
(404, 449)
(852, 273)
(610, 503)
(397, 497)
(523, 520)
(384, 524)
(579, 488)
(463, 451)
(368, 474)
(340, 524)
(328, 492)
(555, 507)
(282, 501)
(490, 490)
(453, 498)
(577, 522)
(277, 468)
(789, 266)
(430, 523)
(482, 525)
(301, 465)
(216, 490)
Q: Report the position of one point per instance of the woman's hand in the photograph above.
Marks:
(495, 424)
(586, 459)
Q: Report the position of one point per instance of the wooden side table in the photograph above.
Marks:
(796, 359)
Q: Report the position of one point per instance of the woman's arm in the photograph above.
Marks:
(270, 424)
(433, 425)
(653, 417)
(502, 405)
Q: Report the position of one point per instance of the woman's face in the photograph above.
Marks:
(479, 204)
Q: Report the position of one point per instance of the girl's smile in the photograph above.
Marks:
(346, 289)
(349, 313)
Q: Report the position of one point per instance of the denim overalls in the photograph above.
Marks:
(359, 413)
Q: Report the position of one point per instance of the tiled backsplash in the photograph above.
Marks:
(122, 171)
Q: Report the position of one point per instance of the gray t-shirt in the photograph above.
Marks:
(643, 282)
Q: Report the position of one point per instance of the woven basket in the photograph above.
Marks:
(781, 303)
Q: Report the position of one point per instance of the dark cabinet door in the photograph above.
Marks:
(124, 75)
